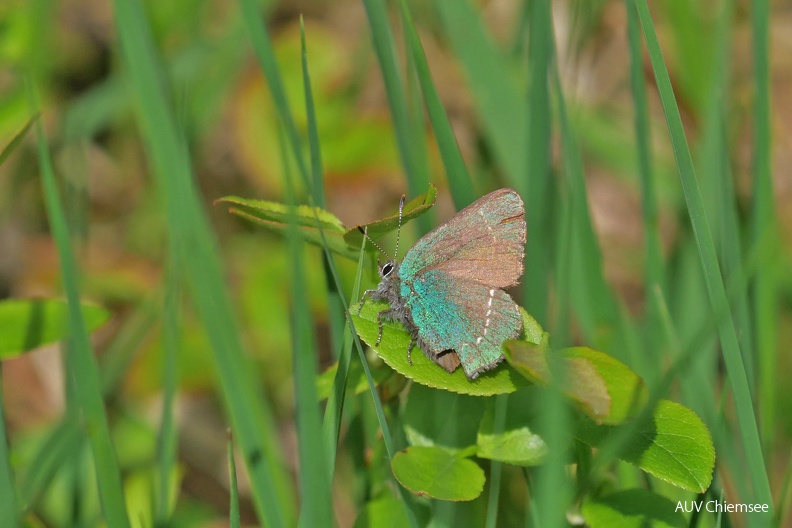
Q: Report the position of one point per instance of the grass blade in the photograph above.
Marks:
(496, 467)
(331, 424)
(191, 234)
(382, 36)
(655, 283)
(16, 140)
(717, 295)
(491, 80)
(81, 362)
(763, 220)
(234, 520)
(591, 296)
(536, 184)
(335, 305)
(315, 507)
(262, 46)
(458, 177)
(167, 441)
(9, 513)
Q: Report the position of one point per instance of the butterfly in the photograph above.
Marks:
(448, 290)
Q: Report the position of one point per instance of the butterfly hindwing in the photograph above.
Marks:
(468, 317)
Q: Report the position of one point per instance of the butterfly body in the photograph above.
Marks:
(447, 292)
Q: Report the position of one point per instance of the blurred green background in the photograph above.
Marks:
(73, 55)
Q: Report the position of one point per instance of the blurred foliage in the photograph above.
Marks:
(69, 51)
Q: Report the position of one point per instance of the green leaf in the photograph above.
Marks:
(628, 394)
(393, 350)
(341, 240)
(674, 445)
(275, 216)
(582, 383)
(26, 324)
(438, 473)
(441, 418)
(385, 512)
(634, 508)
(516, 443)
(376, 230)
(301, 215)
(602, 387)
(310, 234)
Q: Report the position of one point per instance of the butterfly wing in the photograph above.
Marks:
(462, 315)
(484, 242)
(452, 280)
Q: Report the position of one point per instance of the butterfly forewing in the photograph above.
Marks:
(484, 242)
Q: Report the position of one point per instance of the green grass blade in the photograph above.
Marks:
(655, 268)
(387, 438)
(315, 506)
(415, 114)
(459, 180)
(496, 467)
(317, 180)
(189, 230)
(491, 79)
(16, 140)
(382, 38)
(62, 442)
(234, 520)
(592, 298)
(553, 489)
(335, 305)
(9, 513)
(699, 382)
(331, 424)
(536, 185)
(717, 295)
(80, 359)
(119, 355)
(167, 441)
(262, 46)
(762, 220)
(717, 186)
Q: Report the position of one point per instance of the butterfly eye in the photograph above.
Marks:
(387, 269)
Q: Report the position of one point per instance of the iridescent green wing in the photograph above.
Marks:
(465, 316)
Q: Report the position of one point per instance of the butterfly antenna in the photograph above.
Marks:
(398, 230)
(365, 234)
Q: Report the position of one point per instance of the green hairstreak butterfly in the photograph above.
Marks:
(448, 290)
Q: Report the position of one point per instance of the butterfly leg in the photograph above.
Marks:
(409, 350)
(384, 314)
(366, 293)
